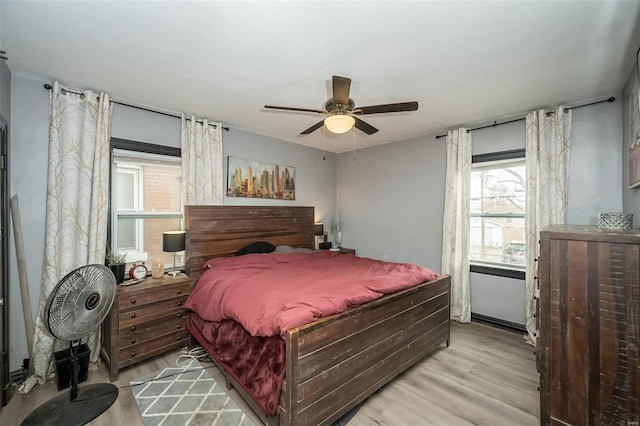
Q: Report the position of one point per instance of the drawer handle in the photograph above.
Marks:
(133, 301)
(133, 328)
(180, 315)
(133, 315)
(133, 340)
(179, 326)
(133, 354)
(179, 292)
(179, 303)
(179, 338)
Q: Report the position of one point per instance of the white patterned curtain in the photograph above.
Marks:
(548, 153)
(77, 206)
(201, 162)
(455, 230)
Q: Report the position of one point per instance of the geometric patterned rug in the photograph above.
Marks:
(185, 396)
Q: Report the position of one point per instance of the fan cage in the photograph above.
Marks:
(80, 302)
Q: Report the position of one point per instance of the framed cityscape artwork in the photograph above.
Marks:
(254, 179)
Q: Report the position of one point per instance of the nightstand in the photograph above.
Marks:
(146, 319)
(344, 250)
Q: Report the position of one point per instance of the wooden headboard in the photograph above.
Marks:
(220, 231)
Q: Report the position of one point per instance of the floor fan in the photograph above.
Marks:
(76, 306)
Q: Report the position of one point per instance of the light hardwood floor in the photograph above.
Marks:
(486, 377)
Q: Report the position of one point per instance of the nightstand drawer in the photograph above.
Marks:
(147, 313)
(167, 324)
(152, 347)
(162, 292)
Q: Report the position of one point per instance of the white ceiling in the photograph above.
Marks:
(464, 62)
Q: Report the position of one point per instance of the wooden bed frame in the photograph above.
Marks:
(334, 363)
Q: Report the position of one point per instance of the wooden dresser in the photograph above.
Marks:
(146, 319)
(588, 314)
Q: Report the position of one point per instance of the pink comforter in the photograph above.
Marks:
(271, 293)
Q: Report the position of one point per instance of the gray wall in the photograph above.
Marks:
(5, 90)
(631, 130)
(596, 165)
(315, 178)
(145, 126)
(28, 135)
(391, 199)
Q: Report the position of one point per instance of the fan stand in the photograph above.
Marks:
(80, 407)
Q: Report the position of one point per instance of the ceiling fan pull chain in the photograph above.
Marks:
(324, 145)
(353, 132)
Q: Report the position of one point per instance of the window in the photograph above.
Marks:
(146, 201)
(497, 234)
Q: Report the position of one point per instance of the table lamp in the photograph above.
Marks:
(173, 242)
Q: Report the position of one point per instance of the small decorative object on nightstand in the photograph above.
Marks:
(146, 319)
(138, 271)
(157, 268)
(173, 242)
(337, 237)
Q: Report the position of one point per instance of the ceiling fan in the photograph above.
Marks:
(342, 112)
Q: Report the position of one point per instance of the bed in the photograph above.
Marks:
(333, 363)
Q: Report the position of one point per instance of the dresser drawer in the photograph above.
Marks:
(173, 321)
(161, 293)
(134, 316)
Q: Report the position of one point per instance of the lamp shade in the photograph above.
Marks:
(173, 241)
(318, 228)
(339, 123)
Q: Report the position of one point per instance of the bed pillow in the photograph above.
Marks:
(302, 250)
(289, 249)
(284, 249)
(258, 247)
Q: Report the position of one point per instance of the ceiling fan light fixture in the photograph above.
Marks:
(339, 123)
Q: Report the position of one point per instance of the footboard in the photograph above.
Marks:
(335, 363)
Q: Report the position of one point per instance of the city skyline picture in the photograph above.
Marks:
(255, 179)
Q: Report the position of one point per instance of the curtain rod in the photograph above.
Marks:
(49, 87)
(495, 123)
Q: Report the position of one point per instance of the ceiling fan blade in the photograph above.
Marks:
(313, 128)
(365, 127)
(293, 109)
(378, 109)
(341, 88)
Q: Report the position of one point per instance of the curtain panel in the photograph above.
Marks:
(548, 154)
(456, 226)
(76, 209)
(202, 166)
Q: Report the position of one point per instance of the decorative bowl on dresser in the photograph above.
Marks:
(146, 319)
(588, 326)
